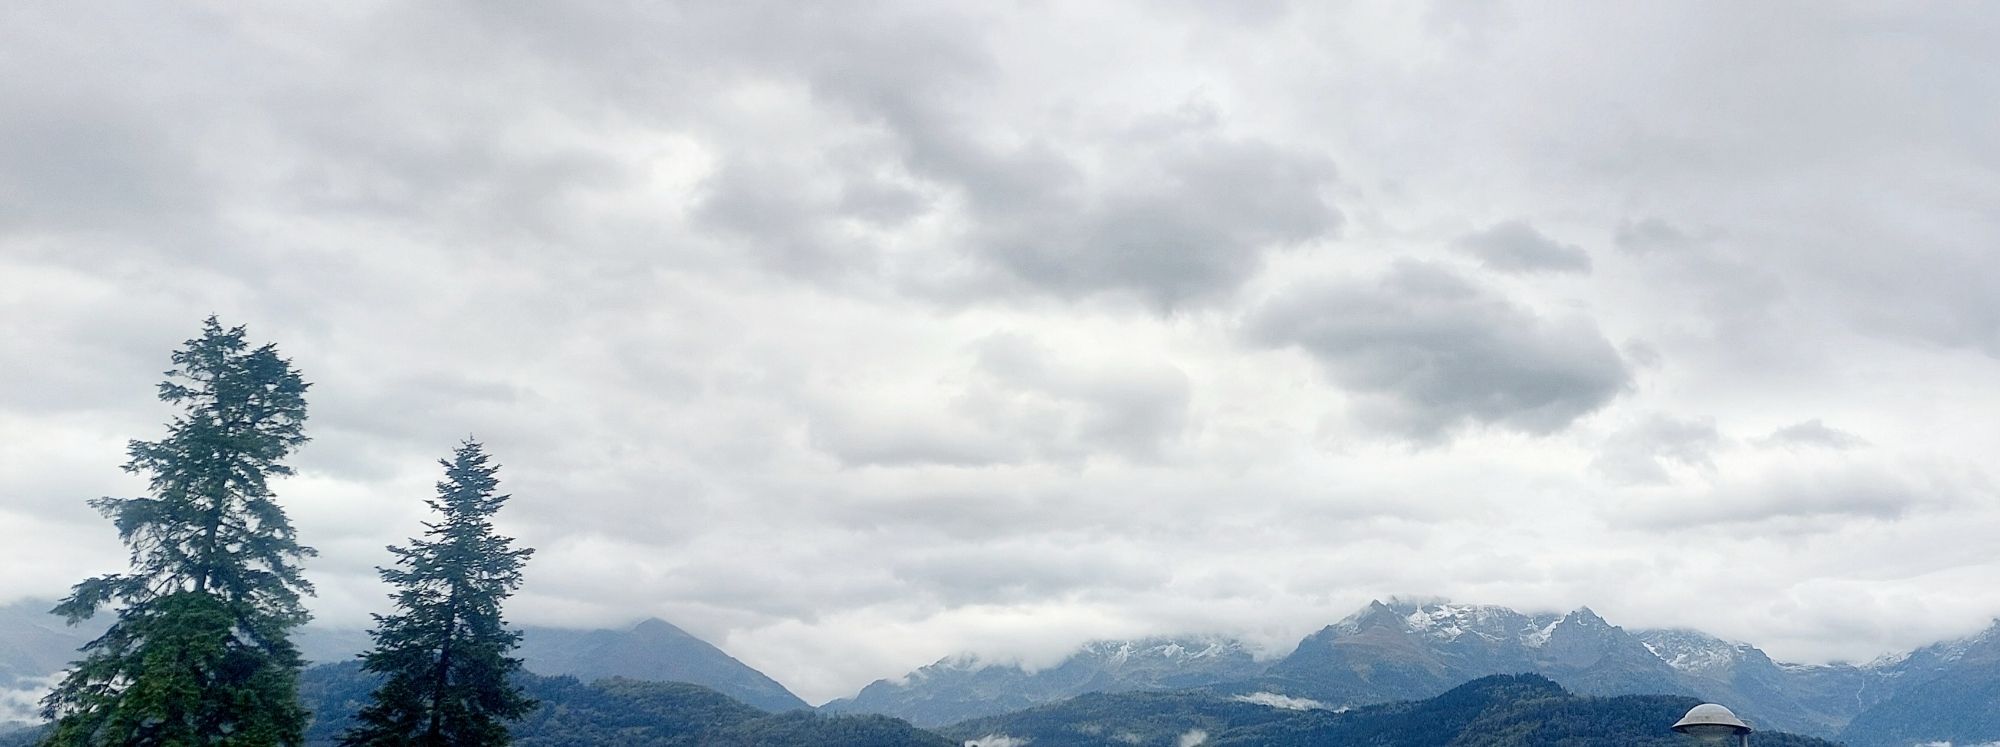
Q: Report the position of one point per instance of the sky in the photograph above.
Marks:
(850, 336)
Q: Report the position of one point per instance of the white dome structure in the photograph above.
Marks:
(1712, 723)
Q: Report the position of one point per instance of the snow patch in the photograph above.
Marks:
(1693, 651)
(1447, 621)
(1169, 649)
(1888, 660)
(996, 740)
(1286, 702)
(1192, 738)
(1539, 637)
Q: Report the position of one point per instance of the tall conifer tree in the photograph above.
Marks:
(200, 653)
(444, 653)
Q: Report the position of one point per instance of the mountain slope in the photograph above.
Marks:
(1816, 699)
(1949, 694)
(953, 690)
(652, 650)
(34, 646)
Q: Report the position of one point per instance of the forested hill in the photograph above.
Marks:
(625, 713)
(1497, 711)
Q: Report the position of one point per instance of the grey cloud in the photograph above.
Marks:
(814, 216)
(672, 248)
(1022, 403)
(1812, 434)
(75, 166)
(1515, 246)
(1171, 209)
(1639, 454)
(1190, 222)
(1799, 498)
(870, 436)
(1134, 408)
(1426, 352)
(774, 209)
(1016, 570)
(1651, 235)
(1738, 293)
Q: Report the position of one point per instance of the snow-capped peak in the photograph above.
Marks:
(1692, 651)
(1446, 621)
(1166, 649)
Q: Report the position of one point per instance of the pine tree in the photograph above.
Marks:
(200, 653)
(444, 653)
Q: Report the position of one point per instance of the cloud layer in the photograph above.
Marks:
(852, 337)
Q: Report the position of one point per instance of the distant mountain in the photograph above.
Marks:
(1809, 699)
(1946, 693)
(1497, 711)
(652, 650)
(1387, 651)
(624, 713)
(34, 645)
(1410, 650)
(1407, 650)
(959, 688)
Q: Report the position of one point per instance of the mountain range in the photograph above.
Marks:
(1948, 692)
(1407, 650)
(960, 688)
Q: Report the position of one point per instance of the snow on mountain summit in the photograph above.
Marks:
(1693, 651)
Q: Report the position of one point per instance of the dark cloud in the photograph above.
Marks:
(1426, 352)
(1180, 220)
(1169, 208)
(1515, 246)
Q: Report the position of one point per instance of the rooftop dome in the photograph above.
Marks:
(1709, 718)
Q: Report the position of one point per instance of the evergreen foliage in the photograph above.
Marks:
(199, 653)
(444, 654)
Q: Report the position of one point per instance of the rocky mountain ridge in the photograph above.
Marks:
(1410, 650)
(958, 688)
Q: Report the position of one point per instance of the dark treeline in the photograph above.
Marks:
(1499, 711)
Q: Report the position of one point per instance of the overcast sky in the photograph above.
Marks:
(852, 335)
